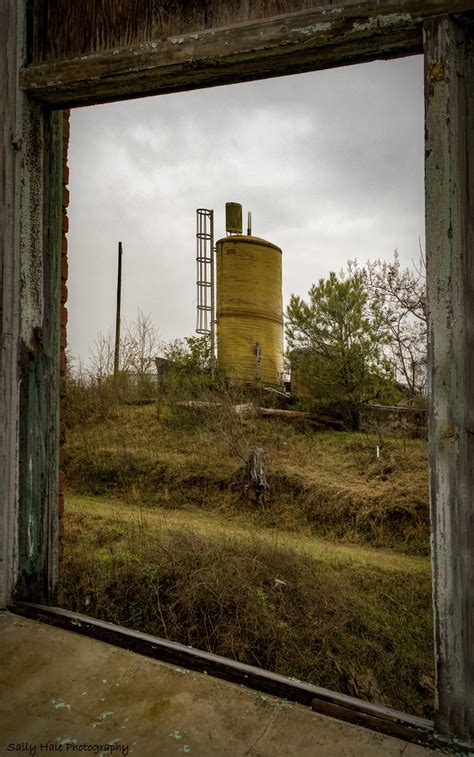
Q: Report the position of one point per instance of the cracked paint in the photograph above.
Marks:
(31, 535)
(382, 22)
(60, 704)
(322, 26)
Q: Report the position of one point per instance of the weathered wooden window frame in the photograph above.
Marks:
(30, 234)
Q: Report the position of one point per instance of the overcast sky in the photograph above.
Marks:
(329, 163)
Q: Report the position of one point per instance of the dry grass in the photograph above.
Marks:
(348, 618)
(126, 520)
(173, 546)
(331, 484)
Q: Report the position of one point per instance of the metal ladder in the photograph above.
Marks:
(206, 320)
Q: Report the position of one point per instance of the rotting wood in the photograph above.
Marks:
(9, 299)
(306, 41)
(258, 475)
(50, 388)
(317, 422)
(449, 77)
(31, 243)
(385, 722)
(39, 354)
(62, 29)
(408, 727)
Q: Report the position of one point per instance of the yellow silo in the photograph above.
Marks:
(249, 310)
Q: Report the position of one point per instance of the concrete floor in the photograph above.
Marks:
(61, 692)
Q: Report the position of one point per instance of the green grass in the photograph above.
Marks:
(161, 536)
(331, 484)
(120, 519)
(350, 618)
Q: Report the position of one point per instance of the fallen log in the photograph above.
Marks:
(294, 416)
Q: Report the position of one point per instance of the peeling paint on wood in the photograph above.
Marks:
(9, 298)
(63, 29)
(30, 157)
(93, 25)
(449, 73)
(287, 44)
(39, 383)
(390, 19)
(31, 229)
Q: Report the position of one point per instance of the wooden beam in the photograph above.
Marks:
(321, 38)
(38, 216)
(449, 77)
(30, 245)
(49, 388)
(376, 717)
(9, 298)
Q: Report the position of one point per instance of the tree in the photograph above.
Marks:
(140, 346)
(188, 371)
(193, 353)
(101, 360)
(400, 296)
(336, 342)
(138, 349)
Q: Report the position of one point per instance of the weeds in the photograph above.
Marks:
(331, 483)
(334, 623)
(361, 626)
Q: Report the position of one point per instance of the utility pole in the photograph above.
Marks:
(117, 317)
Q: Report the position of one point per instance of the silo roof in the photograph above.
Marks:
(245, 239)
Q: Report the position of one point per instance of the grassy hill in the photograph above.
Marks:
(328, 483)
(162, 534)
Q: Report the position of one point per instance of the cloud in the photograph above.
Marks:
(330, 163)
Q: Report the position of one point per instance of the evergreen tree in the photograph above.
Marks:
(336, 342)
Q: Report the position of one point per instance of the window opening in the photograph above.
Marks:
(245, 520)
